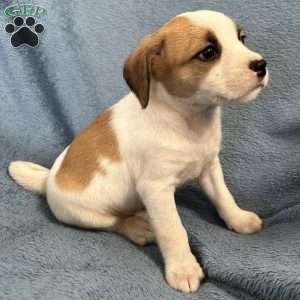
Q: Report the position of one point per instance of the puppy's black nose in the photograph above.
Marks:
(259, 66)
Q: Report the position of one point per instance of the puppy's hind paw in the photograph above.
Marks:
(137, 229)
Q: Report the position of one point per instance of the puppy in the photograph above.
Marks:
(121, 172)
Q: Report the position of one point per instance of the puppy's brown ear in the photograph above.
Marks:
(138, 68)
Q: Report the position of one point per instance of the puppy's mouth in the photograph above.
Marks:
(261, 85)
(258, 87)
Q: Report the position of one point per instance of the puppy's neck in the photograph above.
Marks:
(188, 110)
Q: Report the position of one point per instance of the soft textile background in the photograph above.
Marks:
(48, 94)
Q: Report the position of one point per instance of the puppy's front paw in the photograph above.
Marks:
(245, 222)
(185, 275)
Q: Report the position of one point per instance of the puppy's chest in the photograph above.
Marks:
(196, 153)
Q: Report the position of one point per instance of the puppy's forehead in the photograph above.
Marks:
(182, 38)
(188, 33)
(218, 23)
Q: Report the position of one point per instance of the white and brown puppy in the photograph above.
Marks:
(121, 172)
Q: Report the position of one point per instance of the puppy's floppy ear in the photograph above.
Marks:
(138, 68)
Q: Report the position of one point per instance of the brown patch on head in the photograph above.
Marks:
(170, 57)
(83, 157)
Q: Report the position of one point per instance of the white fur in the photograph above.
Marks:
(230, 80)
(172, 140)
(31, 176)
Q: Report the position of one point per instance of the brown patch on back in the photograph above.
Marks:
(168, 56)
(83, 158)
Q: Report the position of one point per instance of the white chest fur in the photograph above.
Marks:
(200, 145)
(160, 143)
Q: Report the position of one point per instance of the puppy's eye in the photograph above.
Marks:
(242, 38)
(208, 53)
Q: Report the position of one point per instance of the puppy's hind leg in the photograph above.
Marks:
(83, 217)
(136, 228)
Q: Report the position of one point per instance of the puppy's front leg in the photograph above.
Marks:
(181, 268)
(241, 221)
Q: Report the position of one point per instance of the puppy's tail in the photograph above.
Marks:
(31, 176)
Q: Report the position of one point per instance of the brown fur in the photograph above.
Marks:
(138, 67)
(169, 57)
(83, 158)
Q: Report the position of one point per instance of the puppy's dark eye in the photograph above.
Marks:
(242, 35)
(208, 53)
(243, 38)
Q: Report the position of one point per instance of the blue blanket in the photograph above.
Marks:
(49, 93)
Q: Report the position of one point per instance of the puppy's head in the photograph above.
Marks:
(197, 58)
